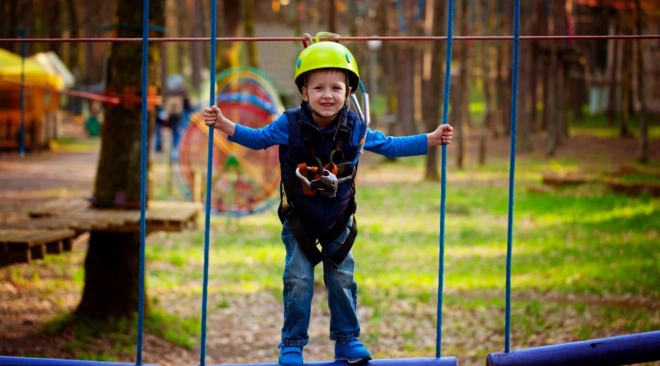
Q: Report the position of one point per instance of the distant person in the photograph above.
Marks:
(93, 123)
(317, 143)
(187, 113)
(161, 122)
(174, 123)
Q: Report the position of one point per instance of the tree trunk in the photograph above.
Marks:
(560, 103)
(461, 124)
(182, 49)
(643, 127)
(230, 25)
(507, 51)
(197, 52)
(390, 82)
(524, 117)
(434, 89)
(74, 47)
(406, 107)
(112, 264)
(626, 91)
(577, 92)
(95, 58)
(485, 62)
(53, 25)
(533, 82)
(613, 51)
(332, 16)
(252, 54)
(562, 75)
(552, 89)
(10, 19)
(111, 276)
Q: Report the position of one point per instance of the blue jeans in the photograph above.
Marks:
(299, 288)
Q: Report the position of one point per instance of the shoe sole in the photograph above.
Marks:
(358, 361)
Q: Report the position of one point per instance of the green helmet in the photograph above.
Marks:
(324, 55)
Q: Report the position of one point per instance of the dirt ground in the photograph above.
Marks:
(37, 177)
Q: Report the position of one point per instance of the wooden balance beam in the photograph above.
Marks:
(23, 245)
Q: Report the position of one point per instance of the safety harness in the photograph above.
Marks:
(317, 178)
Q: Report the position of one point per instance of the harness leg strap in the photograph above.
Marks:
(306, 242)
(337, 257)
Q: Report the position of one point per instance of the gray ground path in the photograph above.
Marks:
(34, 178)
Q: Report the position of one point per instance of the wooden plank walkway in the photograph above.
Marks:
(23, 245)
(52, 226)
(160, 216)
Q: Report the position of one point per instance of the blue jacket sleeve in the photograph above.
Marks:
(396, 147)
(275, 133)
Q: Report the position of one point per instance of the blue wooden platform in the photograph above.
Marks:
(443, 361)
(611, 351)
(29, 361)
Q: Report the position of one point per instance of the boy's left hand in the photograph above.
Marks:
(442, 135)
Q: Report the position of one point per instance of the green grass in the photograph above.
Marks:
(86, 337)
(71, 144)
(597, 125)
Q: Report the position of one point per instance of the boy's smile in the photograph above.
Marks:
(326, 93)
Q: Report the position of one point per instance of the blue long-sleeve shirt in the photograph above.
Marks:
(277, 133)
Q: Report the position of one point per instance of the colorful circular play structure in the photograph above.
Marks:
(244, 181)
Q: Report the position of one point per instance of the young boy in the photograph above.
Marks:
(318, 142)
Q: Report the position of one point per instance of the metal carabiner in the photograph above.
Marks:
(332, 157)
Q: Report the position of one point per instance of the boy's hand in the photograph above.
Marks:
(442, 135)
(212, 115)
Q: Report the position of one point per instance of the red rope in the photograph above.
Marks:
(108, 97)
(302, 39)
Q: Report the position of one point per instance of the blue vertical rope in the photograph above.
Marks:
(443, 180)
(21, 147)
(143, 173)
(209, 182)
(512, 171)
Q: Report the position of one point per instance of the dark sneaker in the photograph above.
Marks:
(352, 351)
(290, 356)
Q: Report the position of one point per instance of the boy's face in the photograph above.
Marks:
(326, 92)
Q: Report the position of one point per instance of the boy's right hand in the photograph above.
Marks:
(212, 115)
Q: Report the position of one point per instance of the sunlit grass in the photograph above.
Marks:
(70, 144)
(563, 241)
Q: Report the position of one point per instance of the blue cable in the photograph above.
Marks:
(209, 183)
(143, 174)
(443, 180)
(512, 170)
(21, 148)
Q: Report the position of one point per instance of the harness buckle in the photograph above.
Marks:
(324, 181)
